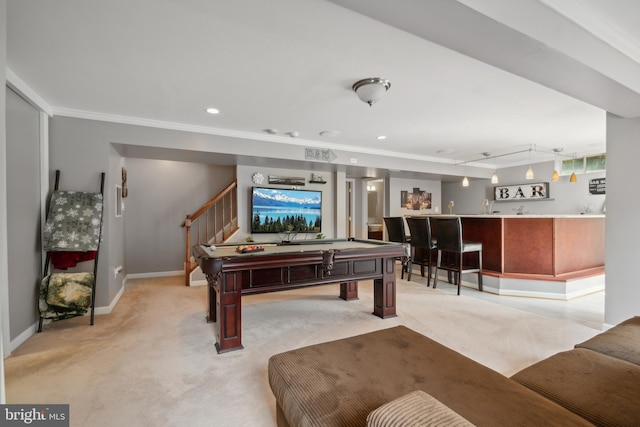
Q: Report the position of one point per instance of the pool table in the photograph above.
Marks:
(231, 274)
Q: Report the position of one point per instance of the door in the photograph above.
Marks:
(23, 212)
(349, 207)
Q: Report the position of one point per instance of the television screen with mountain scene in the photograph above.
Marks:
(276, 210)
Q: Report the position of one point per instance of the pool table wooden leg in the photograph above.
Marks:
(229, 313)
(384, 290)
(349, 290)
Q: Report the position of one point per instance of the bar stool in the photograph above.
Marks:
(420, 230)
(448, 234)
(396, 232)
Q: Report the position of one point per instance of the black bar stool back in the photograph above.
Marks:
(396, 233)
(448, 235)
(421, 244)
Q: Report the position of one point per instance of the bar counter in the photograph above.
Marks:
(532, 255)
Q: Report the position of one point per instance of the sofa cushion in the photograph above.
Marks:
(599, 388)
(621, 341)
(339, 383)
(415, 409)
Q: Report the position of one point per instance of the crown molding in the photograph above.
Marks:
(308, 143)
(19, 86)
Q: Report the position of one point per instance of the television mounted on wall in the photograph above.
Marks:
(278, 210)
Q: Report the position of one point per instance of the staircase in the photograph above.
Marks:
(215, 222)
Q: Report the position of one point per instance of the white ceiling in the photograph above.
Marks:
(556, 67)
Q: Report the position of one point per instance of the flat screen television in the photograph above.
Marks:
(277, 210)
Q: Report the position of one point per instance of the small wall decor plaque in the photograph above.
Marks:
(286, 180)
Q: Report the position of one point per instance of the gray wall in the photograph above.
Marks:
(244, 200)
(82, 149)
(161, 194)
(23, 211)
(396, 185)
(623, 234)
(568, 198)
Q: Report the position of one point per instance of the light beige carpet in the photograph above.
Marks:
(152, 362)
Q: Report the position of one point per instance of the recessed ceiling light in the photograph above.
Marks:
(381, 137)
(212, 110)
(329, 133)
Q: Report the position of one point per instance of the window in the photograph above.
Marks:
(584, 165)
(596, 163)
(573, 165)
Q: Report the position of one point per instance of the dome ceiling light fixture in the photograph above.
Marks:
(371, 89)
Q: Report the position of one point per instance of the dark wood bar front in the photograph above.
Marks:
(539, 247)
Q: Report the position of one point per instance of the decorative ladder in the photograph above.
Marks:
(215, 222)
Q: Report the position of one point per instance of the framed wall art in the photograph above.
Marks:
(415, 200)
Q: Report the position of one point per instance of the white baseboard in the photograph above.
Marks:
(535, 288)
(33, 329)
(154, 274)
(110, 307)
(20, 339)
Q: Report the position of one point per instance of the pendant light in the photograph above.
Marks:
(465, 180)
(573, 177)
(494, 177)
(556, 176)
(529, 173)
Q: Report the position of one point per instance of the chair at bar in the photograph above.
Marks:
(448, 234)
(421, 244)
(397, 233)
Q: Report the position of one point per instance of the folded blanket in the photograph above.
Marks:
(62, 260)
(73, 223)
(65, 295)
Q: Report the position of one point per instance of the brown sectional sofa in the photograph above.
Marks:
(398, 377)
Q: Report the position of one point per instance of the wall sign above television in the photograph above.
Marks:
(286, 180)
(521, 192)
(278, 210)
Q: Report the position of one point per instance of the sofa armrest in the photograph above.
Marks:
(415, 408)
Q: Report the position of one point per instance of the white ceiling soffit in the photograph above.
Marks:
(561, 54)
(468, 76)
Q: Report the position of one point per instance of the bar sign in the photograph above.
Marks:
(537, 191)
(597, 186)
